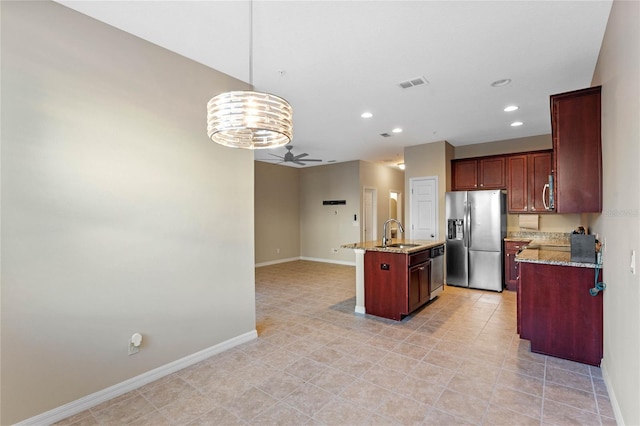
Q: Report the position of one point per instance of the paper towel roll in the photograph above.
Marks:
(528, 221)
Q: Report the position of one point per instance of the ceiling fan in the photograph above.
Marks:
(297, 159)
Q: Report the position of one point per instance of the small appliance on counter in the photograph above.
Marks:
(476, 228)
(583, 246)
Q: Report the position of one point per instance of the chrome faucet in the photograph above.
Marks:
(386, 240)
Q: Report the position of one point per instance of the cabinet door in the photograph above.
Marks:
(539, 171)
(491, 173)
(517, 184)
(415, 277)
(419, 283)
(575, 126)
(465, 175)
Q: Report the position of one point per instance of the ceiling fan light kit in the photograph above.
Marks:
(250, 120)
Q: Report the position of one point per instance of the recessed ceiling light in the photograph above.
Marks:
(401, 166)
(397, 130)
(511, 108)
(517, 123)
(501, 82)
(366, 115)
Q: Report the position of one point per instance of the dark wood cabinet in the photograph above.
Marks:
(464, 175)
(396, 284)
(527, 175)
(491, 173)
(478, 173)
(576, 132)
(419, 285)
(511, 249)
(557, 313)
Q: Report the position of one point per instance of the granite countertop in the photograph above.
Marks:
(551, 255)
(374, 246)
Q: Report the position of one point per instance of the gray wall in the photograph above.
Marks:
(618, 71)
(118, 214)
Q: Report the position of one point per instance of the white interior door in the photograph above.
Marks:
(370, 217)
(424, 208)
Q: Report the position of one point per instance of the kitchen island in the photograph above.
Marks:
(403, 248)
(557, 312)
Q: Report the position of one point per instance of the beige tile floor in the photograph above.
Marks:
(456, 361)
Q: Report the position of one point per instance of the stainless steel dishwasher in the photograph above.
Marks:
(437, 271)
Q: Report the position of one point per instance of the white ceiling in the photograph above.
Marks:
(333, 60)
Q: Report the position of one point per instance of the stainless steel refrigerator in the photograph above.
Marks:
(476, 228)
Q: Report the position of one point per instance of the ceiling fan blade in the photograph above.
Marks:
(311, 159)
(279, 156)
(300, 163)
(299, 156)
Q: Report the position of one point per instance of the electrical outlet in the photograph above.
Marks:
(278, 250)
(633, 262)
(133, 349)
(134, 343)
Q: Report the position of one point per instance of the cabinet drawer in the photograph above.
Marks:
(514, 245)
(419, 257)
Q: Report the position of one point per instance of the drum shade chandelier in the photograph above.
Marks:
(251, 120)
(248, 119)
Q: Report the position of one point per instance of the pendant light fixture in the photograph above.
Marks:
(248, 119)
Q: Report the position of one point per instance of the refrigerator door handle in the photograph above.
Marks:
(467, 224)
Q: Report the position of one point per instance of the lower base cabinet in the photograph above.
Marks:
(511, 249)
(557, 314)
(396, 284)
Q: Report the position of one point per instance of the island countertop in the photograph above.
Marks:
(377, 245)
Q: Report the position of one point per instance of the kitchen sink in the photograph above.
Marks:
(399, 245)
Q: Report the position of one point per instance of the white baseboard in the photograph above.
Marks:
(612, 395)
(337, 262)
(111, 392)
(275, 262)
(311, 259)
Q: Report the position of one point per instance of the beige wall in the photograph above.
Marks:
(277, 212)
(384, 179)
(324, 229)
(618, 71)
(508, 146)
(118, 214)
(432, 159)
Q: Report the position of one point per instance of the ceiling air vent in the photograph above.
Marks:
(418, 81)
(385, 135)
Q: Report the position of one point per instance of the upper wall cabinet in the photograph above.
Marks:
(575, 127)
(478, 173)
(528, 182)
